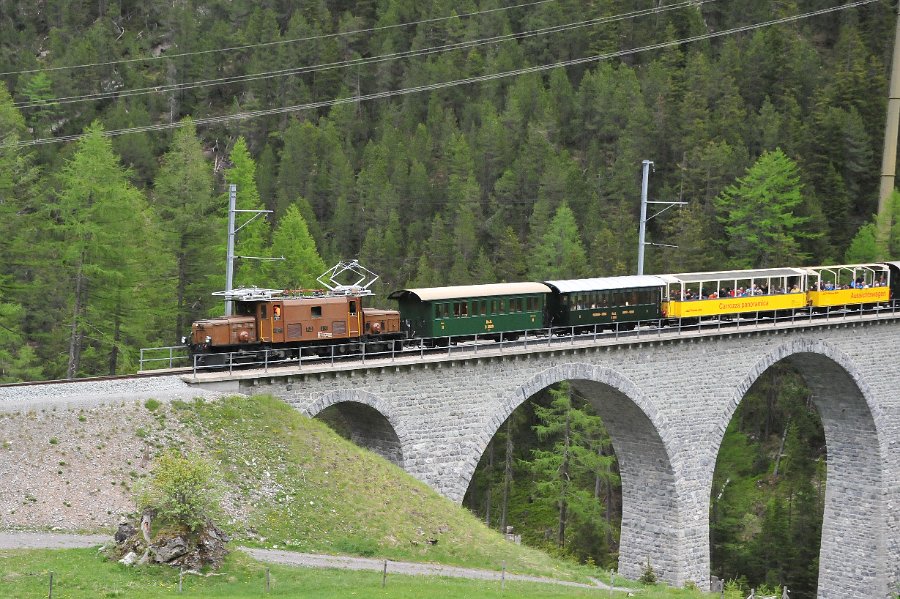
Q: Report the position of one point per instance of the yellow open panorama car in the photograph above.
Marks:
(848, 284)
(696, 295)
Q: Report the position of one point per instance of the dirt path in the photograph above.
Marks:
(50, 540)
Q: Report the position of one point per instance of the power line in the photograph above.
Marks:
(276, 42)
(454, 83)
(359, 61)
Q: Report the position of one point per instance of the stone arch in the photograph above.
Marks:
(852, 560)
(650, 513)
(369, 420)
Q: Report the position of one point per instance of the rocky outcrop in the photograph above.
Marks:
(181, 549)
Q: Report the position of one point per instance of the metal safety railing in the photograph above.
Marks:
(419, 348)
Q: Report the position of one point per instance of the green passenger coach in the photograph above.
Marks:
(604, 301)
(469, 310)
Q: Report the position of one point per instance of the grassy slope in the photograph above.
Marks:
(276, 461)
(314, 491)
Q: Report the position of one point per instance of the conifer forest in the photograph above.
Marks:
(446, 143)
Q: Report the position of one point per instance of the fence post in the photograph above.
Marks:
(51, 585)
(180, 578)
(503, 577)
(268, 582)
(384, 575)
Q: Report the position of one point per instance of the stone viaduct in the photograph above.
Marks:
(666, 399)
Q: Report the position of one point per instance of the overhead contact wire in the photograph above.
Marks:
(457, 82)
(276, 42)
(159, 89)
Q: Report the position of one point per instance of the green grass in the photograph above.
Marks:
(328, 495)
(85, 574)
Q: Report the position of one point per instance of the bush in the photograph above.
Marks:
(181, 491)
(648, 576)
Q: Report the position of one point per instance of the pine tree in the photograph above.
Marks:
(758, 214)
(573, 460)
(299, 164)
(302, 263)
(193, 226)
(101, 223)
(253, 238)
(560, 254)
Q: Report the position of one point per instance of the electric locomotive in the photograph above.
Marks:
(274, 324)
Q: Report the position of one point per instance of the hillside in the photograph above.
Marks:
(291, 482)
(427, 182)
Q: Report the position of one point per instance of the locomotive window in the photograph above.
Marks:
(262, 311)
(352, 308)
(316, 311)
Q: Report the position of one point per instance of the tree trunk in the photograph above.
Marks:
(781, 449)
(507, 475)
(74, 334)
(180, 292)
(114, 351)
(564, 478)
(490, 484)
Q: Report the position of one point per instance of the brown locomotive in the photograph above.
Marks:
(278, 323)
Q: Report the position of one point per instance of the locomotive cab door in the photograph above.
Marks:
(271, 322)
(353, 313)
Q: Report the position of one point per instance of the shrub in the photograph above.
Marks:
(648, 576)
(151, 404)
(181, 491)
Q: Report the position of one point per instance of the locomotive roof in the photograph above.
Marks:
(606, 283)
(733, 275)
(460, 291)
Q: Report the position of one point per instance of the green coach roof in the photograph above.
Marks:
(428, 294)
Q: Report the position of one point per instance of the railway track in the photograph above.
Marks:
(473, 347)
